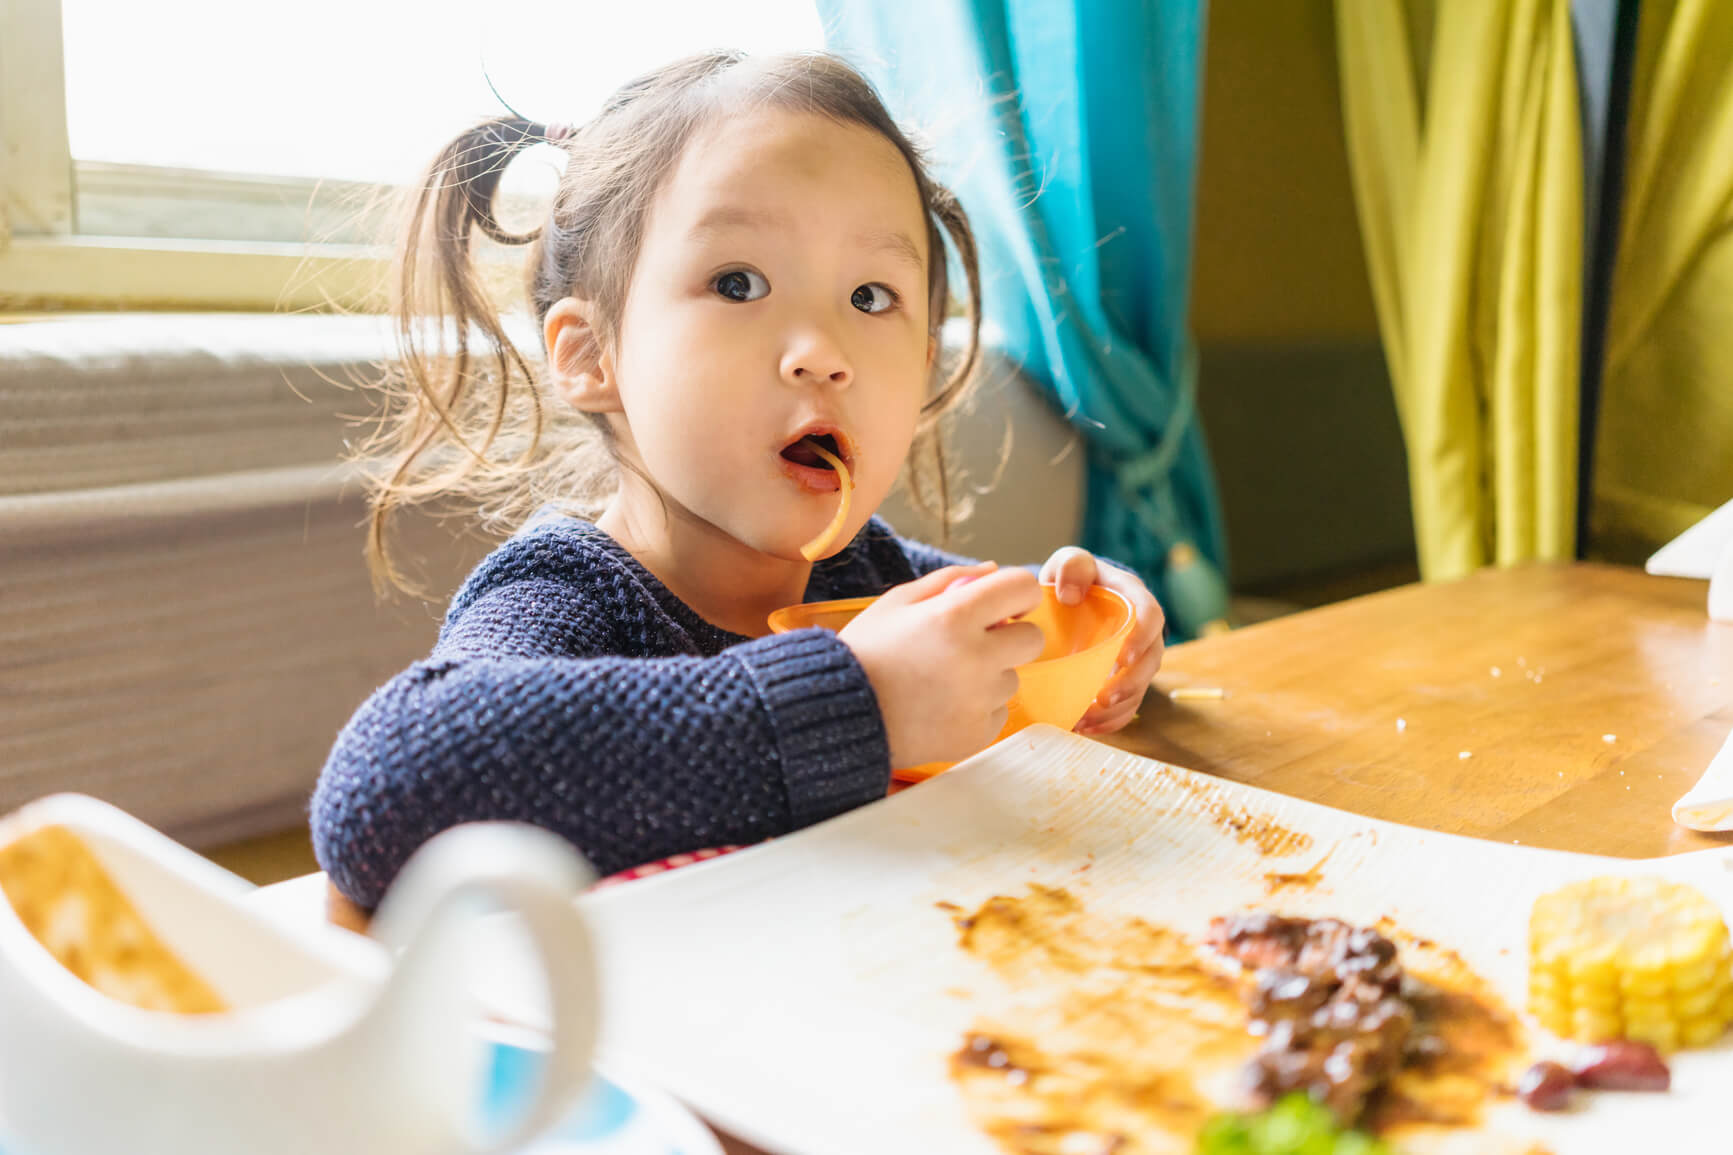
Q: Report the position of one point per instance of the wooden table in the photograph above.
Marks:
(1561, 706)
(1564, 706)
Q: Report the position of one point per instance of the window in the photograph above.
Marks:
(199, 153)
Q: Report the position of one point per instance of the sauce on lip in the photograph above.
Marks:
(816, 476)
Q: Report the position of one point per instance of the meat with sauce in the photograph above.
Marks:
(1328, 999)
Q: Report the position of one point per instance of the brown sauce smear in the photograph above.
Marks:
(1272, 839)
(1275, 883)
(1124, 1036)
(1116, 1021)
(1483, 1042)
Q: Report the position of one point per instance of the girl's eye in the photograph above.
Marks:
(874, 298)
(741, 285)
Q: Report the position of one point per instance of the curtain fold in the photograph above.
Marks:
(1664, 446)
(1069, 132)
(1470, 202)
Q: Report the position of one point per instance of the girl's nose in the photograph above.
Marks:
(814, 359)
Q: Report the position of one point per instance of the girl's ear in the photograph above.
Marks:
(579, 369)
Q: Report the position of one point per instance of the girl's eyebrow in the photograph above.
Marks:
(726, 217)
(894, 242)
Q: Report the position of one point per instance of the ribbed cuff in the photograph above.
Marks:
(829, 731)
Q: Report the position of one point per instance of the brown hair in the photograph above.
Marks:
(475, 428)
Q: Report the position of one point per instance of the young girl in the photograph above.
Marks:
(739, 290)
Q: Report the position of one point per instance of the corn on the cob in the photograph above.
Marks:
(1630, 958)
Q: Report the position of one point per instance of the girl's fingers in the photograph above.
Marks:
(1071, 571)
(1106, 721)
(1050, 567)
(1141, 651)
(1151, 622)
(1016, 643)
(1118, 692)
(1123, 694)
(998, 596)
(1137, 670)
(938, 582)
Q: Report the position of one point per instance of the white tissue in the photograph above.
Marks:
(1703, 551)
(1721, 587)
(1693, 554)
(1709, 804)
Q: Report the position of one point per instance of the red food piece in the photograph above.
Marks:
(1623, 1066)
(1546, 1086)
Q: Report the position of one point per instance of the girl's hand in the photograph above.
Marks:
(1071, 571)
(943, 661)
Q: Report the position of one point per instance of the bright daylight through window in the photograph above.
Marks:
(206, 118)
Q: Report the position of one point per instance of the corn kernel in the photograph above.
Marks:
(1637, 958)
(1663, 1036)
(1700, 1032)
(1594, 1026)
(1697, 1004)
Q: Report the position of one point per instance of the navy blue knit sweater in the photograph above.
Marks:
(571, 689)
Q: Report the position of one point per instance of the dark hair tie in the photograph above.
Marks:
(482, 157)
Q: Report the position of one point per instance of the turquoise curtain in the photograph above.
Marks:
(1068, 128)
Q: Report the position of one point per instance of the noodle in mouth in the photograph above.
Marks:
(813, 549)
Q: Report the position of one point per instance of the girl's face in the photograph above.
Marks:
(780, 291)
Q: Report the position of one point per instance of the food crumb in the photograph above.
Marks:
(1466, 755)
(1497, 673)
(1609, 738)
(1401, 724)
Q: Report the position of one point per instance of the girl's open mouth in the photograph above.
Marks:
(803, 461)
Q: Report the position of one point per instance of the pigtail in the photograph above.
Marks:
(948, 212)
(929, 479)
(437, 391)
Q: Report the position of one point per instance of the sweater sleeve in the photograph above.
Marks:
(631, 759)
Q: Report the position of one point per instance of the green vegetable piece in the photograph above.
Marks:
(1293, 1126)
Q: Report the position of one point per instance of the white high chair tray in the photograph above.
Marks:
(808, 994)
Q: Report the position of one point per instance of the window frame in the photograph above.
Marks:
(45, 263)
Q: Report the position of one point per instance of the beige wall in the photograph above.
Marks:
(1278, 244)
(1293, 391)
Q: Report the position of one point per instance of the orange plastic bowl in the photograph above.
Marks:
(1082, 643)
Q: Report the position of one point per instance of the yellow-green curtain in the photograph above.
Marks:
(1470, 209)
(1664, 449)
